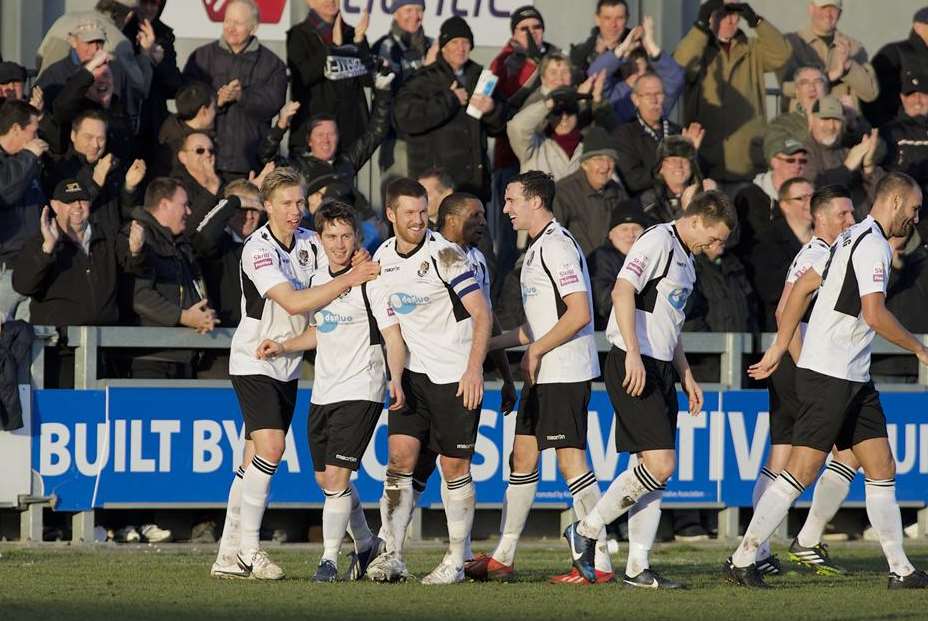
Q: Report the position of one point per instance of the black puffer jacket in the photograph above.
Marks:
(438, 131)
(327, 80)
(350, 157)
(171, 279)
(888, 64)
(241, 125)
(907, 146)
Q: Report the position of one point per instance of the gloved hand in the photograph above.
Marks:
(533, 52)
(382, 81)
(705, 14)
(746, 12)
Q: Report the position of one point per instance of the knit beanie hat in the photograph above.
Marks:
(597, 141)
(398, 4)
(523, 13)
(452, 28)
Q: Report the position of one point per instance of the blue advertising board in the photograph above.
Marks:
(175, 446)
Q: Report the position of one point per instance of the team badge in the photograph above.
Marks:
(423, 269)
(303, 257)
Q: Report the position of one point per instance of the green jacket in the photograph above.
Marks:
(726, 94)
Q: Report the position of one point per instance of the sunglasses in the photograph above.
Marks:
(793, 160)
(204, 150)
(531, 28)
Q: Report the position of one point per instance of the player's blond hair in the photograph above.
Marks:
(279, 178)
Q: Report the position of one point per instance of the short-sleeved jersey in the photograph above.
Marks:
(814, 251)
(478, 265)
(554, 268)
(838, 339)
(661, 269)
(349, 358)
(424, 287)
(266, 263)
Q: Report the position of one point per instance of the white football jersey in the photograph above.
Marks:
(810, 254)
(266, 263)
(350, 362)
(838, 339)
(661, 268)
(424, 288)
(478, 265)
(554, 268)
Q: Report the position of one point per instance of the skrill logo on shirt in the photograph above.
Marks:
(405, 303)
(330, 321)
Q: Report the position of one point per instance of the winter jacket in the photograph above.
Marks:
(219, 251)
(584, 54)
(534, 147)
(888, 65)
(619, 93)
(907, 146)
(350, 158)
(767, 263)
(166, 81)
(21, 201)
(132, 72)
(659, 204)
(70, 287)
(586, 212)
(826, 167)
(403, 52)
(73, 165)
(516, 70)
(810, 51)
(726, 94)
(605, 263)
(638, 154)
(15, 348)
(438, 131)
(71, 102)
(201, 200)
(327, 80)
(241, 125)
(723, 299)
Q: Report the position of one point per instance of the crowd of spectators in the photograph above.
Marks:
(128, 181)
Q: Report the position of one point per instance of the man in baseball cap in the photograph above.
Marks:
(12, 78)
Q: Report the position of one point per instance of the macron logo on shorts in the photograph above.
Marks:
(346, 458)
(559, 436)
(465, 446)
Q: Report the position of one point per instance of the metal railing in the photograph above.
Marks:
(89, 340)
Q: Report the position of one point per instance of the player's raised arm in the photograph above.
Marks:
(796, 306)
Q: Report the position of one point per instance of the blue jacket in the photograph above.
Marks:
(619, 94)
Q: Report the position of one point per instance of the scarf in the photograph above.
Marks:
(665, 128)
(568, 142)
(410, 41)
(321, 26)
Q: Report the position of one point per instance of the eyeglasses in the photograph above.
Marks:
(793, 160)
(815, 82)
(801, 197)
(203, 150)
(531, 29)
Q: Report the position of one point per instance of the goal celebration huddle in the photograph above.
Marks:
(410, 328)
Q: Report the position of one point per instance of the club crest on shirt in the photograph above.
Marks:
(879, 274)
(303, 257)
(423, 269)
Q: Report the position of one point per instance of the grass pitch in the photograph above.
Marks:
(129, 582)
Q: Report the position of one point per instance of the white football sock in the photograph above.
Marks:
(418, 487)
(255, 485)
(231, 529)
(624, 492)
(357, 524)
(459, 512)
(772, 507)
(830, 491)
(520, 494)
(396, 506)
(883, 511)
(764, 480)
(335, 515)
(468, 551)
(643, 521)
(584, 490)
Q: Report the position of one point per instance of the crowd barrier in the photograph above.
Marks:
(133, 444)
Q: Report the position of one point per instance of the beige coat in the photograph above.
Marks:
(808, 50)
(535, 150)
(726, 93)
